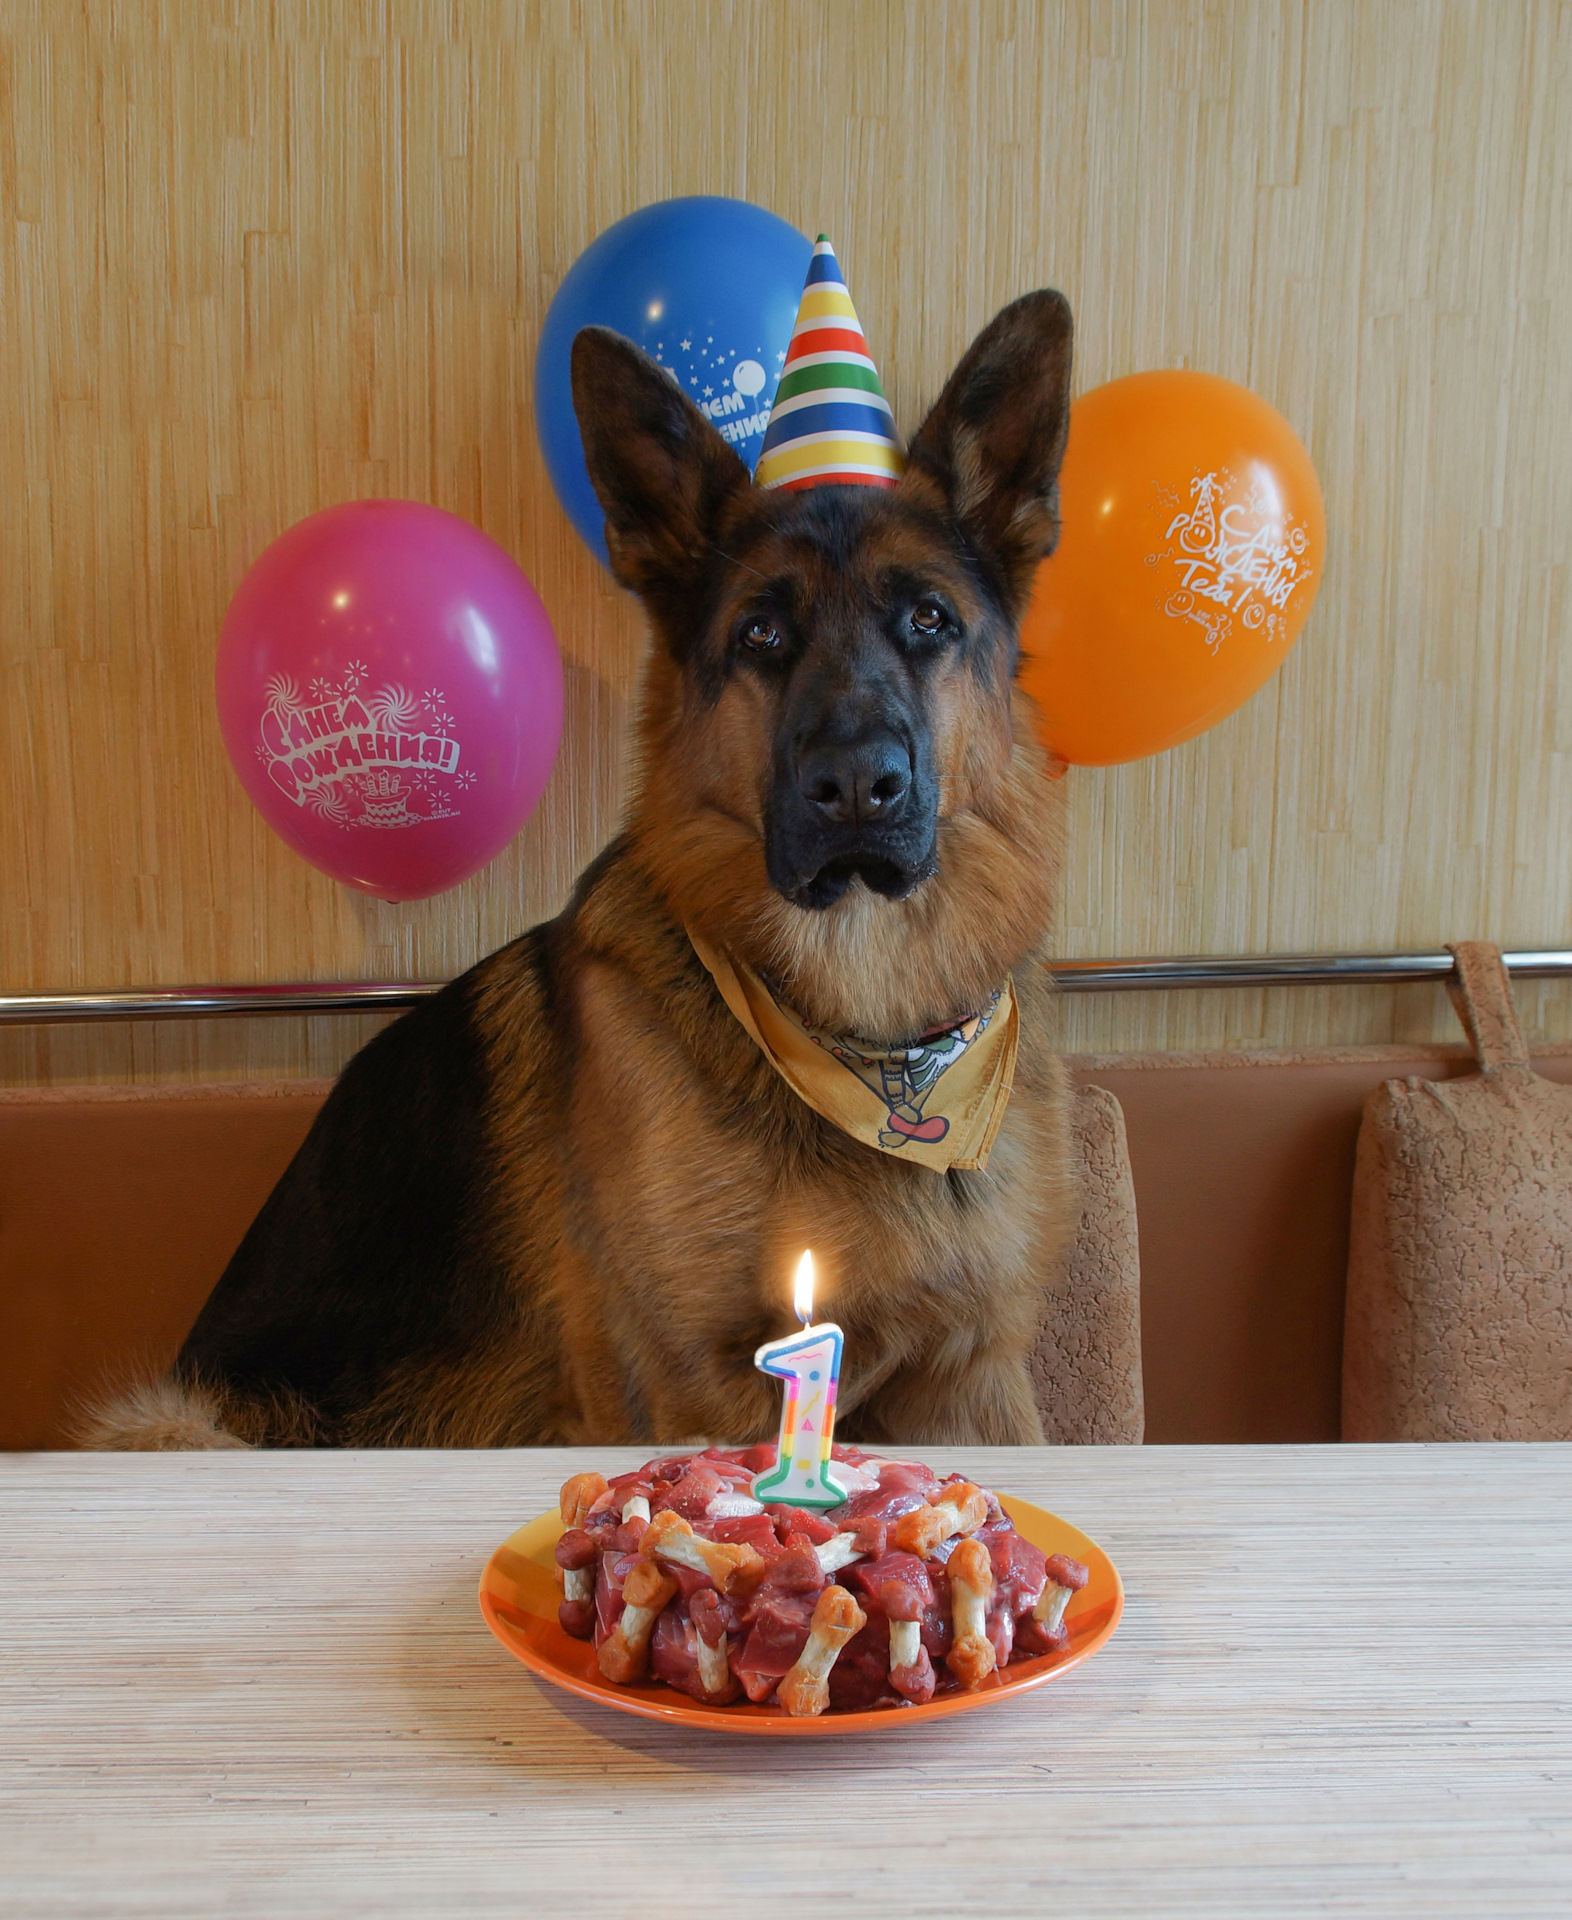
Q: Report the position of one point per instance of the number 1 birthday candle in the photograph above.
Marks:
(810, 1364)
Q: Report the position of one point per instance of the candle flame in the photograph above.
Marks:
(802, 1290)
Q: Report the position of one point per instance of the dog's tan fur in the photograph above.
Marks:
(651, 1180)
(159, 1416)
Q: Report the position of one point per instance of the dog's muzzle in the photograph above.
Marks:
(863, 809)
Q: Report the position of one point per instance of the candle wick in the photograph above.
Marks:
(806, 1319)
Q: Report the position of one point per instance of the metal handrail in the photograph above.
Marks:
(1071, 976)
(191, 1003)
(1288, 969)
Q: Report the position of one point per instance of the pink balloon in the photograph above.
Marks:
(390, 693)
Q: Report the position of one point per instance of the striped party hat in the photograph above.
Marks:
(831, 425)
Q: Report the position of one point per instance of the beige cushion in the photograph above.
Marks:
(1086, 1367)
(1459, 1316)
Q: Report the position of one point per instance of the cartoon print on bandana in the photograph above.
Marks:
(905, 1077)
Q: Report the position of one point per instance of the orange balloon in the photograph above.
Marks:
(1193, 541)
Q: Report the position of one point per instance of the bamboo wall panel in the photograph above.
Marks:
(256, 260)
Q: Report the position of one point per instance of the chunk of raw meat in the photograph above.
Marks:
(577, 1617)
(870, 1536)
(905, 1574)
(903, 1487)
(614, 1569)
(731, 1503)
(690, 1496)
(782, 1622)
(713, 1615)
(858, 1476)
(736, 1489)
(602, 1521)
(1036, 1636)
(673, 1467)
(1019, 1569)
(800, 1520)
(707, 1491)
(916, 1583)
(745, 1462)
(1000, 1629)
(673, 1656)
(860, 1677)
(626, 1487)
(690, 1580)
(795, 1569)
(727, 1461)
(629, 1537)
(756, 1530)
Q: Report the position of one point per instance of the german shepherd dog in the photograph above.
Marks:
(560, 1201)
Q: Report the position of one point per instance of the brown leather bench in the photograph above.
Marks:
(119, 1208)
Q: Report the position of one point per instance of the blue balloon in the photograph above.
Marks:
(709, 287)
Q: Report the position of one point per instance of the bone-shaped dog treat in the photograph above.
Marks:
(911, 1671)
(805, 1690)
(857, 1540)
(637, 1508)
(579, 1493)
(963, 1510)
(715, 1675)
(577, 1550)
(733, 1568)
(577, 1556)
(712, 1645)
(971, 1658)
(837, 1553)
(625, 1650)
(1066, 1577)
(905, 1643)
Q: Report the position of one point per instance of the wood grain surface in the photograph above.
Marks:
(259, 1685)
(259, 258)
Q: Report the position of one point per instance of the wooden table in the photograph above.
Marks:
(258, 1684)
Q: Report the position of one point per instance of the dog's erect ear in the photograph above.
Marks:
(660, 470)
(996, 436)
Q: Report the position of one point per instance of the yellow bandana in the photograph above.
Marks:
(938, 1102)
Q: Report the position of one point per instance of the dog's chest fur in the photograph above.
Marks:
(692, 1177)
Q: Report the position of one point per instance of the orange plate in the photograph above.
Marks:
(519, 1595)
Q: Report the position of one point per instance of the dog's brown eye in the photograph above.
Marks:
(928, 616)
(762, 635)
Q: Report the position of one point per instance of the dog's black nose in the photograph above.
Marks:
(864, 784)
